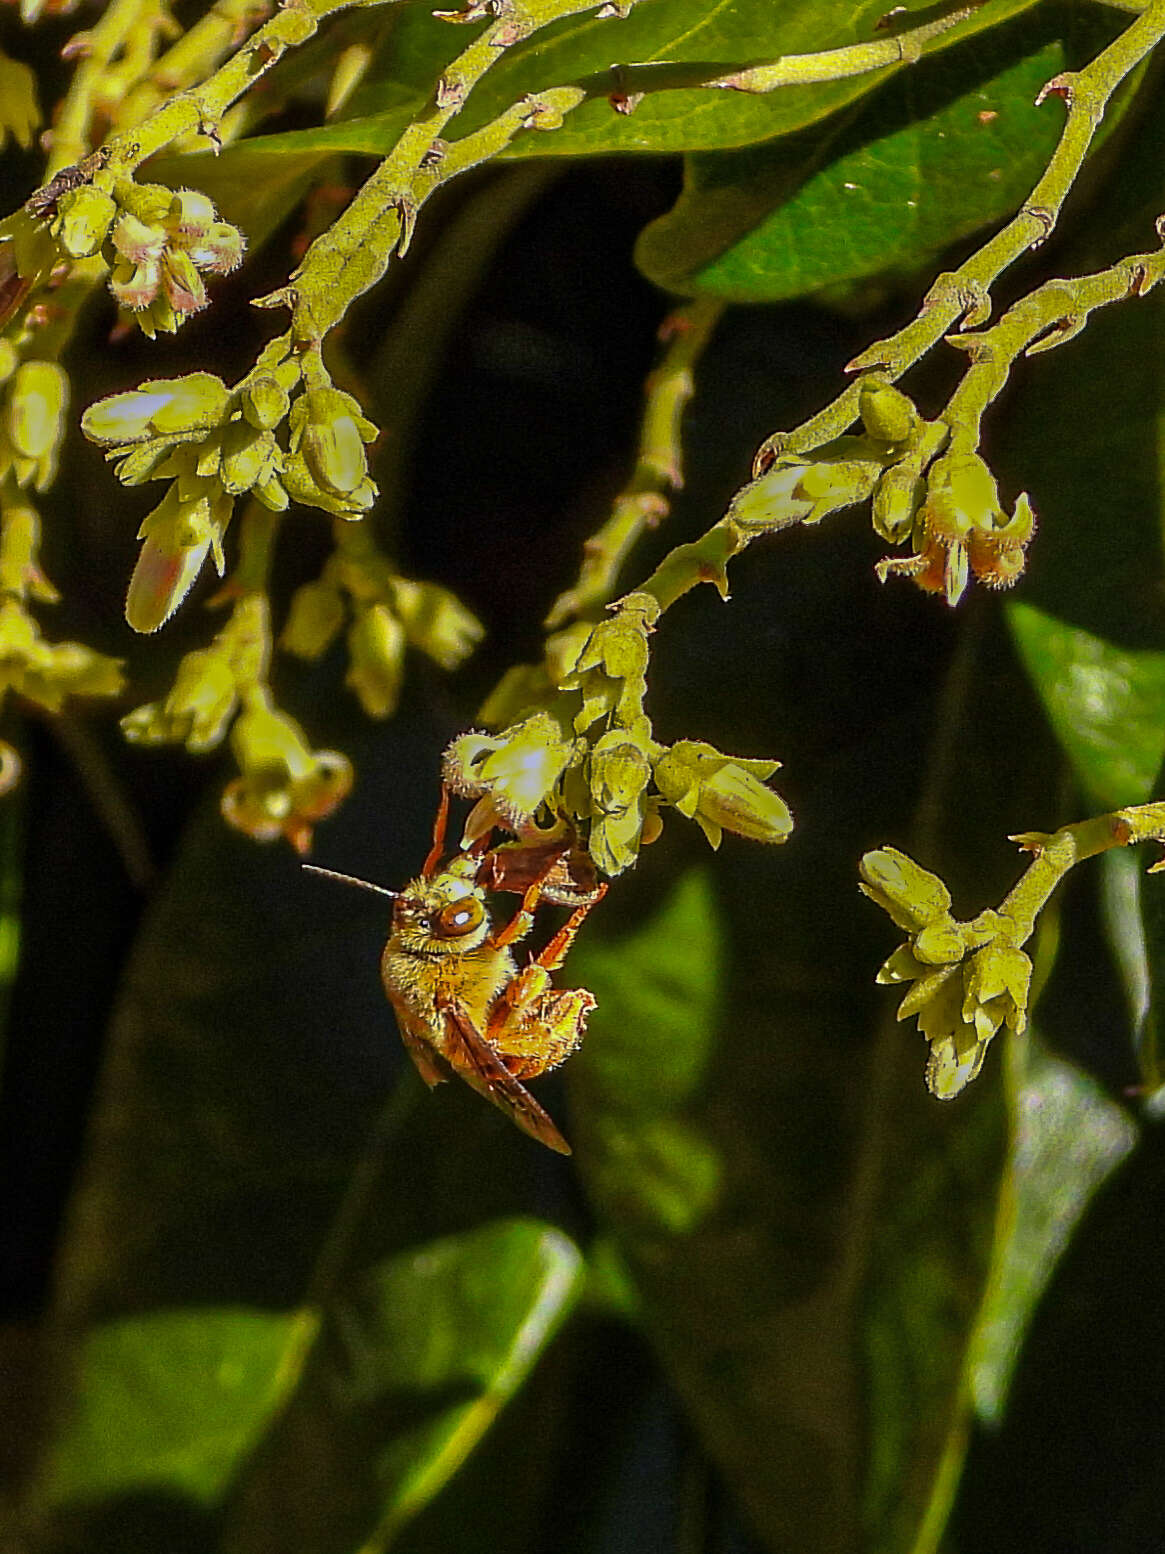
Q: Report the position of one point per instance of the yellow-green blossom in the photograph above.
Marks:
(19, 110)
(611, 668)
(49, 672)
(619, 770)
(35, 401)
(517, 770)
(376, 660)
(722, 792)
(966, 980)
(285, 788)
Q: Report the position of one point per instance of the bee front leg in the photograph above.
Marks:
(440, 824)
(555, 951)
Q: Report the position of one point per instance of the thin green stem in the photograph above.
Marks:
(71, 132)
(354, 253)
(645, 501)
(964, 293)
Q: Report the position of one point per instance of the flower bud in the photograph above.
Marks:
(220, 250)
(910, 894)
(619, 770)
(329, 431)
(897, 497)
(182, 283)
(886, 412)
(264, 402)
(376, 646)
(137, 242)
(190, 215)
(160, 407)
(178, 536)
(248, 457)
(314, 620)
(83, 220)
(37, 399)
(435, 621)
(722, 793)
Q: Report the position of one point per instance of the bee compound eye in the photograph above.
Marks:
(459, 918)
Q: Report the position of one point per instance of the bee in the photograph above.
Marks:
(461, 1001)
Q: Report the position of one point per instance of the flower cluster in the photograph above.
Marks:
(957, 526)
(209, 683)
(587, 760)
(158, 243)
(284, 786)
(968, 979)
(215, 444)
(385, 614)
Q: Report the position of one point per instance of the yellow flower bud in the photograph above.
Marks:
(249, 457)
(329, 431)
(886, 412)
(38, 396)
(619, 771)
(83, 220)
(314, 620)
(910, 894)
(376, 647)
(722, 793)
(435, 621)
(264, 402)
(159, 407)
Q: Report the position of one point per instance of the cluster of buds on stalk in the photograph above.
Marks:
(159, 244)
(215, 444)
(587, 760)
(967, 979)
(284, 787)
(34, 398)
(384, 613)
(940, 498)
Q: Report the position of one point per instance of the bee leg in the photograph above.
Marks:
(441, 821)
(519, 925)
(552, 955)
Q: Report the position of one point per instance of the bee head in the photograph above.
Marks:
(442, 915)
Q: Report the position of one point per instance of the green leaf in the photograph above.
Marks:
(1067, 1136)
(700, 40)
(411, 1370)
(1105, 703)
(940, 151)
(169, 1401)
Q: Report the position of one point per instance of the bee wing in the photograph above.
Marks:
(479, 1065)
(421, 1053)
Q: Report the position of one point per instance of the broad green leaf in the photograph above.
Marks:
(700, 40)
(1106, 704)
(942, 150)
(170, 1401)
(1067, 1136)
(411, 1370)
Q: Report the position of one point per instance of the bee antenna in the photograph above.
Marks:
(349, 879)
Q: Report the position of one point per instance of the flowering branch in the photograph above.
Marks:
(969, 979)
